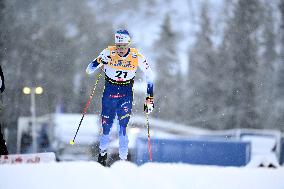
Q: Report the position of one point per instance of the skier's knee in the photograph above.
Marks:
(106, 129)
(123, 125)
(123, 142)
(122, 131)
(106, 124)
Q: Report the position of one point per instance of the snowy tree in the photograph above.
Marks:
(203, 76)
(48, 43)
(2, 51)
(38, 50)
(2, 38)
(266, 70)
(168, 74)
(279, 96)
(242, 40)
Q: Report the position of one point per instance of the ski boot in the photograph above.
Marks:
(102, 158)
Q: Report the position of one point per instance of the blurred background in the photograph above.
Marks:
(218, 64)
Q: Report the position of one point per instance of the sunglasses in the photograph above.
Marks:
(122, 46)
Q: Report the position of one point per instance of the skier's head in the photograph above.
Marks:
(122, 37)
(122, 41)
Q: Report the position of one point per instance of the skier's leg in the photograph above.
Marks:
(124, 113)
(123, 147)
(108, 115)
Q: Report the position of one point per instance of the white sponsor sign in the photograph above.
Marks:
(27, 158)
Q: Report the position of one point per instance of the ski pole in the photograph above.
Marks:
(87, 106)
(149, 140)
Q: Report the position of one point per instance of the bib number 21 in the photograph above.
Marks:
(120, 74)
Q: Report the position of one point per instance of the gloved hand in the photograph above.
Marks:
(105, 58)
(149, 104)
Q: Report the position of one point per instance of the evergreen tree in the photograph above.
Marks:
(2, 38)
(168, 73)
(47, 43)
(203, 76)
(266, 70)
(2, 51)
(242, 60)
(279, 93)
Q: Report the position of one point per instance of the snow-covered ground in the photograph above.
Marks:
(126, 175)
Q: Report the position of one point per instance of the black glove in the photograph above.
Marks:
(105, 59)
(149, 104)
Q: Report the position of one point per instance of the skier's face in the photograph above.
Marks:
(122, 49)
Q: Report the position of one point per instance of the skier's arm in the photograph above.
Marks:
(145, 67)
(98, 62)
(93, 66)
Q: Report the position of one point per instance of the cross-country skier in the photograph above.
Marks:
(120, 63)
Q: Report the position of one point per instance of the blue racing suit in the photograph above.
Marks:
(118, 93)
